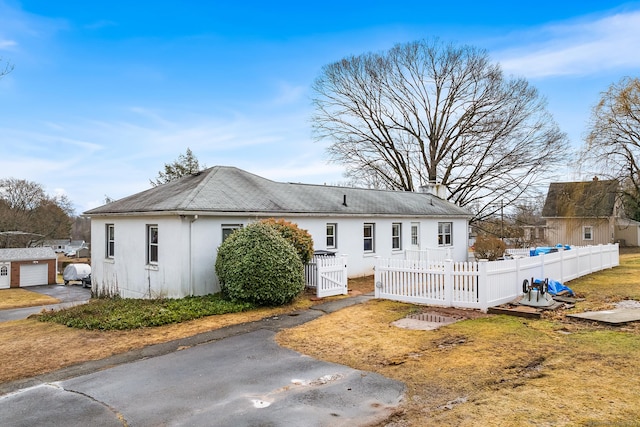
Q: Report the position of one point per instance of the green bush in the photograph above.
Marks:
(256, 264)
(298, 237)
(487, 247)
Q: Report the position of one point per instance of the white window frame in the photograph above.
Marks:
(110, 238)
(445, 237)
(332, 235)
(415, 235)
(370, 238)
(4, 271)
(396, 236)
(589, 229)
(152, 244)
(227, 229)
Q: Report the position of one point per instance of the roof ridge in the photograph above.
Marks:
(212, 171)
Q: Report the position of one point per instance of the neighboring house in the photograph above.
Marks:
(587, 213)
(164, 241)
(27, 267)
(63, 245)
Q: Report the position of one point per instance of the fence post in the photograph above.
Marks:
(448, 282)
(542, 261)
(377, 277)
(483, 284)
(561, 279)
(345, 274)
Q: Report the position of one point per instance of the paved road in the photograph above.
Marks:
(237, 376)
(68, 295)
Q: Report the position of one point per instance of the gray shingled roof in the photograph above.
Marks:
(26, 254)
(223, 189)
(588, 199)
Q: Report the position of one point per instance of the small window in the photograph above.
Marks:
(332, 236)
(227, 229)
(444, 233)
(111, 242)
(369, 237)
(415, 233)
(4, 271)
(587, 232)
(396, 236)
(152, 244)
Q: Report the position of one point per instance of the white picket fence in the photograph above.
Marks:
(328, 275)
(484, 284)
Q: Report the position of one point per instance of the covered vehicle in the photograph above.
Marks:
(76, 272)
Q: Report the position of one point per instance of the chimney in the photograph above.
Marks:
(436, 189)
(344, 200)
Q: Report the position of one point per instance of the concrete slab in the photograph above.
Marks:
(427, 321)
(618, 316)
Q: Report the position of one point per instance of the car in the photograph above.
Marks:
(70, 254)
(86, 281)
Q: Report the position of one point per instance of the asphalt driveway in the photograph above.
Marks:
(234, 376)
(68, 295)
(242, 380)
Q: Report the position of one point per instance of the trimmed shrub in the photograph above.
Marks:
(256, 264)
(488, 247)
(298, 237)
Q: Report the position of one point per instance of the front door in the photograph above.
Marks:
(5, 275)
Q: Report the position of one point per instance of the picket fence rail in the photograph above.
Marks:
(484, 284)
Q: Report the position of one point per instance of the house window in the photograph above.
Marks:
(444, 233)
(396, 236)
(415, 233)
(152, 244)
(227, 229)
(587, 232)
(332, 236)
(369, 237)
(4, 271)
(111, 242)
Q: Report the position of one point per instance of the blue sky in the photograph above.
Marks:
(104, 93)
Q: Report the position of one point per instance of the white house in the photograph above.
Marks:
(163, 241)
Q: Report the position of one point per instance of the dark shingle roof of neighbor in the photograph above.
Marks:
(224, 189)
(588, 199)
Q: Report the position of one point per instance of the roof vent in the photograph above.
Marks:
(344, 200)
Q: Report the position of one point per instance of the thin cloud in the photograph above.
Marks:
(7, 44)
(577, 48)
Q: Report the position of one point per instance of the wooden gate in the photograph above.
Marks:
(328, 274)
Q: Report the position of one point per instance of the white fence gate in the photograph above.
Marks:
(484, 284)
(328, 274)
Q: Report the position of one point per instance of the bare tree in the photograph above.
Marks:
(429, 112)
(186, 164)
(612, 146)
(28, 215)
(6, 69)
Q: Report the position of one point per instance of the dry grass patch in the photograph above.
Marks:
(18, 298)
(30, 347)
(496, 370)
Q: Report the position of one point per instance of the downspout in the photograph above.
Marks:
(191, 221)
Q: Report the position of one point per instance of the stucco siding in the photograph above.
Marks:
(188, 245)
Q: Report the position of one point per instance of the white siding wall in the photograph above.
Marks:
(188, 249)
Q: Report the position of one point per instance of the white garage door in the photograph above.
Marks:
(34, 274)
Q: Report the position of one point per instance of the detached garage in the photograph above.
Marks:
(27, 267)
